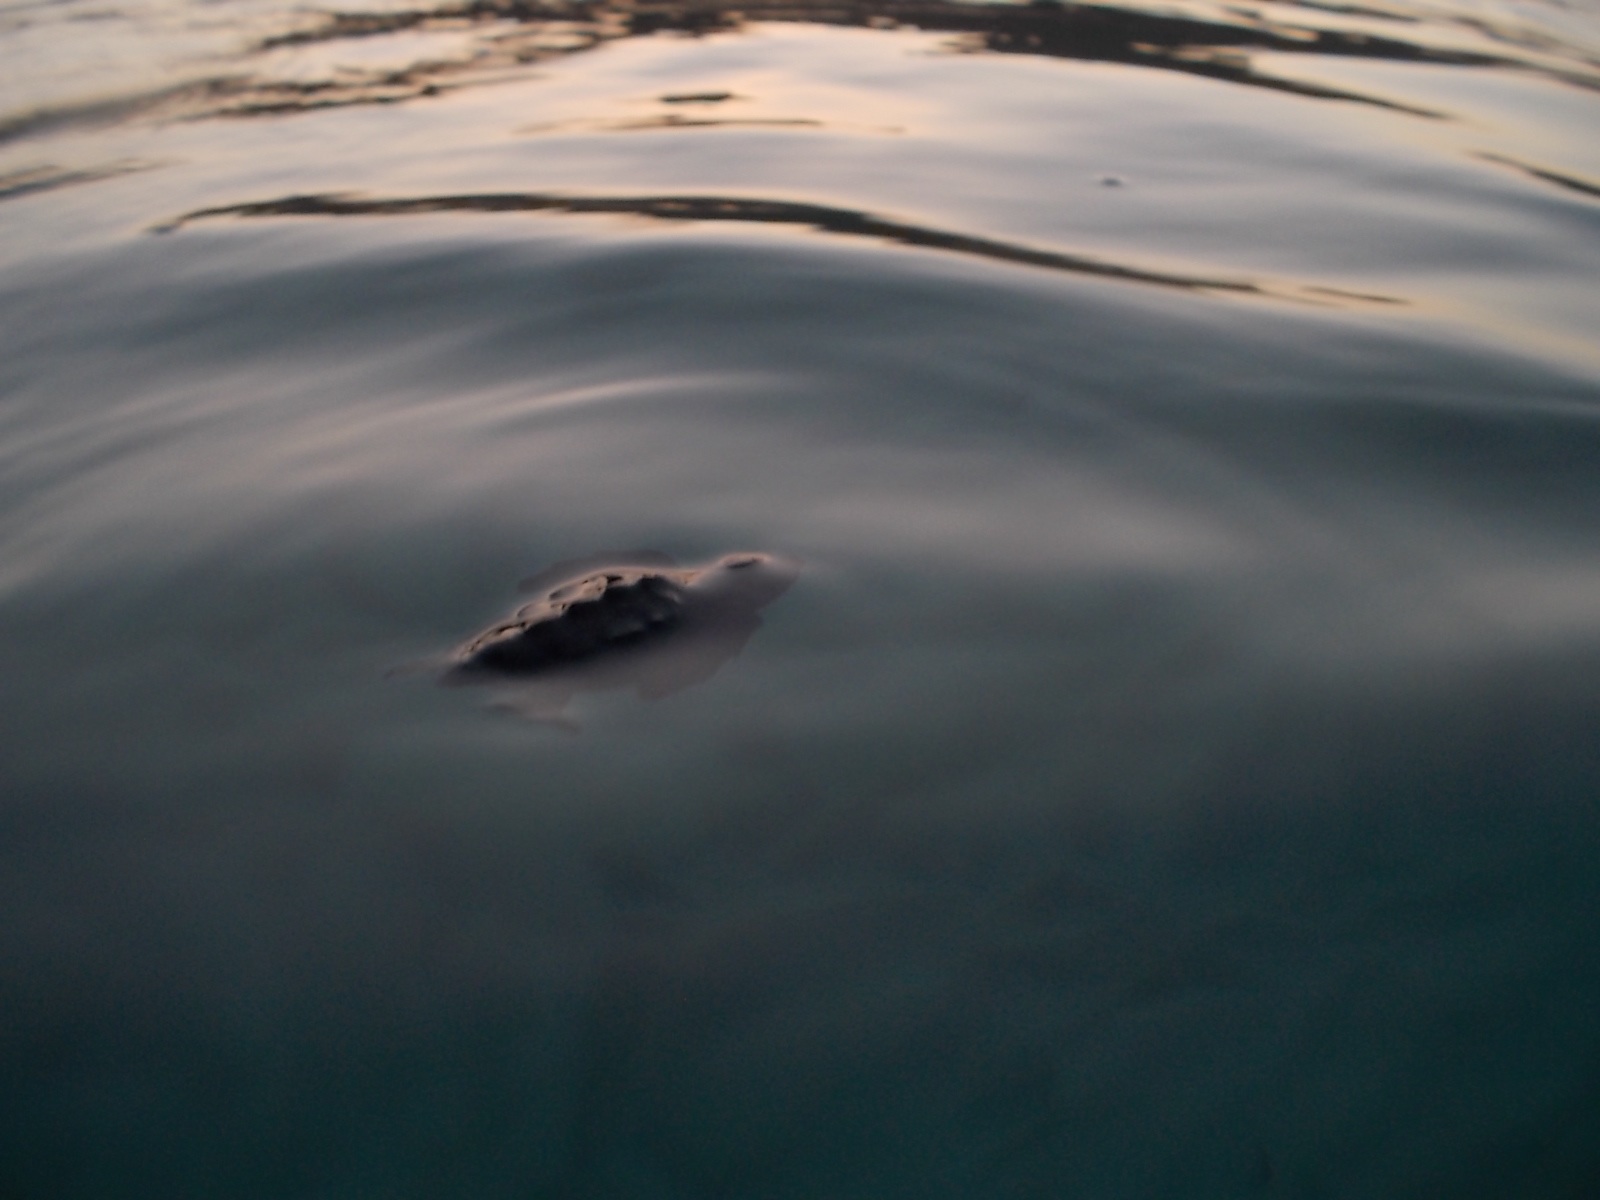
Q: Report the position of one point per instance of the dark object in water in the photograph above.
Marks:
(579, 619)
(636, 620)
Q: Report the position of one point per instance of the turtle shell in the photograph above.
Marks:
(578, 620)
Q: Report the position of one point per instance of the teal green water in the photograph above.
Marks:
(1173, 771)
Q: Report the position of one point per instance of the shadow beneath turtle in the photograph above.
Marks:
(615, 622)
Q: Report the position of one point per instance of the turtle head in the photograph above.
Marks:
(747, 580)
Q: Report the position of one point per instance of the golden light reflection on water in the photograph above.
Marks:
(757, 78)
(389, 55)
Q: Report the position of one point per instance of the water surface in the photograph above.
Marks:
(1173, 772)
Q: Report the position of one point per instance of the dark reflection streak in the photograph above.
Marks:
(1354, 10)
(841, 221)
(1347, 294)
(42, 121)
(1043, 28)
(1522, 39)
(338, 26)
(1103, 33)
(1583, 81)
(1241, 74)
(674, 121)
(48, 179)
(312, 102)
(1116, 35)
(1215, 50)
(224, 96)
(1582, 187)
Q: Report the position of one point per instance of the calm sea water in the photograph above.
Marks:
(1175, 772)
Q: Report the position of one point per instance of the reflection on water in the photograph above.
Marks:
(514, 35)
(43, 179)
(1172, 774)
(769, 212)
(1581, 186)
(1085, 32)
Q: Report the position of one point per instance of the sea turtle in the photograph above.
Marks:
(633, 620)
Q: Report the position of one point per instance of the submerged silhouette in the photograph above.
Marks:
(635, 620)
